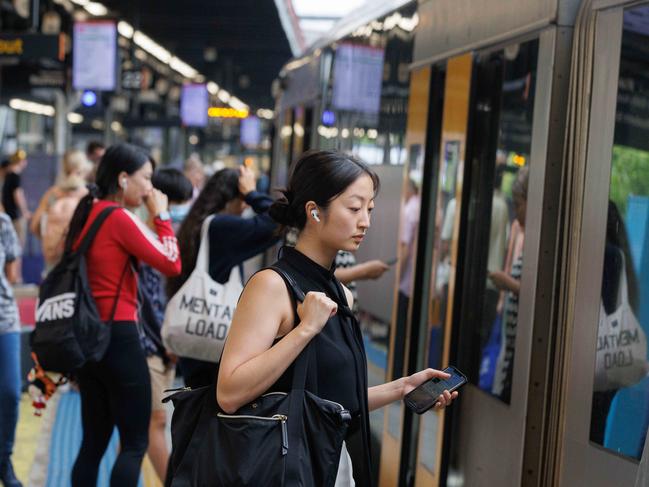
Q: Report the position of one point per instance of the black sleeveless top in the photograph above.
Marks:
(340, 372)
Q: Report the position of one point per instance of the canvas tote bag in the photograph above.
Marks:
(621, 344)
(198, 316)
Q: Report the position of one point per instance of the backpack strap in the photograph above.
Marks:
(94, 228)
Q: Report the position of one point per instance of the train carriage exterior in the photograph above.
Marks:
(463, 100)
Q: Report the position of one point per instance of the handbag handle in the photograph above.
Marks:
(296, 399)
(202, 260)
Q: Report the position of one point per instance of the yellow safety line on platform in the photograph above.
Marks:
(27, 433)
(27, 437)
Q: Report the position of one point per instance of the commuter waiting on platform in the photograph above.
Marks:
(179, 190)
(116, 391)
(162, 365)
(232, 239)
(10, 380)
(13, 196)
(52, 217)
(95, 151)
(329, 198)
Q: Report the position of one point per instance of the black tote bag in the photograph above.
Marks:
(281, 439)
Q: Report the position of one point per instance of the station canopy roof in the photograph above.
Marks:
(239, 44)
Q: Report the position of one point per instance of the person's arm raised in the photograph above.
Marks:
(250, 364)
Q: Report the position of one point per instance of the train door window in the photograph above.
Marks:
(620, 406)
(284, 149)
(439, 312)
(308, 128)
(298, 133)
(501, 140)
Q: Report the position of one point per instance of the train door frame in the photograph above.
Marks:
(576, 459)
(509, 425)
(546, 144)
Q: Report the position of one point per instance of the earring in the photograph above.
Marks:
(314, 214)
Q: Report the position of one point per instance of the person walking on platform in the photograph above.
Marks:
(329, 199)
(233, 239)
(9, 349)
(116, 391)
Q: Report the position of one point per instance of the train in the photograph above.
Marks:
(512, 143)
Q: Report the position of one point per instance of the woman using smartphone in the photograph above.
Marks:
(329, 198)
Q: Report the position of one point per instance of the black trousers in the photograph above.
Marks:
(115, 392)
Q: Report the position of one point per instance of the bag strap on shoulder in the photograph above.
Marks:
(203, 257)
(94, 228)
(290, 283)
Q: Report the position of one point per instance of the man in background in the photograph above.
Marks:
(94, 152)
(14, 200)
(195, 172)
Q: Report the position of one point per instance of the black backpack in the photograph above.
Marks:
(69, 331)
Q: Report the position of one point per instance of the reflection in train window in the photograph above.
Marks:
(365, 106)
(500, 149)
(620, 408)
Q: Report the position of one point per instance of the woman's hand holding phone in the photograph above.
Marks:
(415, 380)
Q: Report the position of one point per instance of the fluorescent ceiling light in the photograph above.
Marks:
(224, 96)
(213, 88)
(234, 102)
(152, 47)
(183, 68)
(75, 118)
(265, 113)
(32, 107)
(125, 29)
(96, 9)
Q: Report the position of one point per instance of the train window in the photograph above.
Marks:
(499, 151)
(620, 407)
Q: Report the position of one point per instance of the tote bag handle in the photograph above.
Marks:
(202, 260)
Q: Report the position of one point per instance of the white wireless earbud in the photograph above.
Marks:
(314, 214)
(124, 183)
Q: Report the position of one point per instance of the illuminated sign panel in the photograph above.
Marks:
(31, 47)
(94, 63)
(194, 103)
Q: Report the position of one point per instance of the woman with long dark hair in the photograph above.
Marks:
(329, 199)
(233, 239)
(116, 391)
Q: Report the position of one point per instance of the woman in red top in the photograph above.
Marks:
(116, 391)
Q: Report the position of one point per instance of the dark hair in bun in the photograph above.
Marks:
(318, 176)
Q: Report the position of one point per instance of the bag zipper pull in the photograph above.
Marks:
(178, 389)
(283, 419)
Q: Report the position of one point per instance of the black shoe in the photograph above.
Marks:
(7, 474)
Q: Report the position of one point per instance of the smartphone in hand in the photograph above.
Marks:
(424, 397)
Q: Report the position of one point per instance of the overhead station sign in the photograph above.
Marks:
(358, 74)
(94, 65)
(194, 104)
(31, 47)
